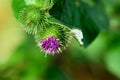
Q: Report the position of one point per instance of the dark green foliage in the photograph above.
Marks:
(78, 14)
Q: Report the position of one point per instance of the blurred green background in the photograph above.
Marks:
(98, 59)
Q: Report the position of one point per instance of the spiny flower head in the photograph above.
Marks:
(32, 17)
(54, 39)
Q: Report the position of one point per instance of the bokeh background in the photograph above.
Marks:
(99, 59)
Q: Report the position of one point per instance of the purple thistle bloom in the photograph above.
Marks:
(50, 44)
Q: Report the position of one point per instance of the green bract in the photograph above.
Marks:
(32, 17)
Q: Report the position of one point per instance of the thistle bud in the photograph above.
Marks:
(54, 39)
(32, 17)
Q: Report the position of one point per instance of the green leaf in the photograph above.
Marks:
(77, 14)
(56, 10)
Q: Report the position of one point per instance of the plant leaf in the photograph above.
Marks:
(77, 14)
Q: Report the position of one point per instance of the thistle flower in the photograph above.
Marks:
(32, 17)
(50, 44)
(54, 39)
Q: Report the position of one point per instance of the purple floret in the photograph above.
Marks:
(50, 44)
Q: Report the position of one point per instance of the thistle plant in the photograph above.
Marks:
(51, 37)
(54, 38)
